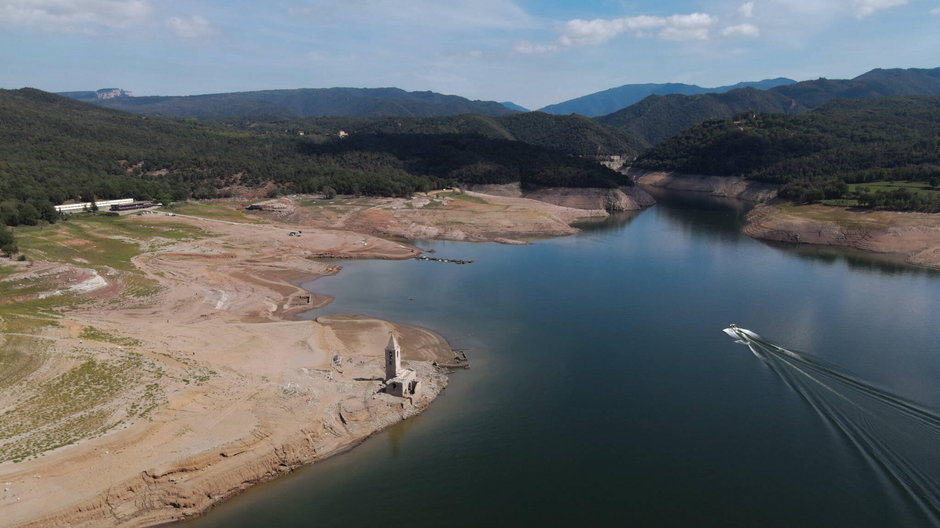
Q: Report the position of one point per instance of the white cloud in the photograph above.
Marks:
(528, 48)
(741, 30)
(190, 27)
(935, 11)
(864, 8)
(746, 10)
(72, 15)
(695, 26)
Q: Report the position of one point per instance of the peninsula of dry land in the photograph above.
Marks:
(913, 237)
(151, 366)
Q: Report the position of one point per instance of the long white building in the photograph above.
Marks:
(86, 206)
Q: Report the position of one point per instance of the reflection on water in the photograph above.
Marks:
(701, 214)
(696, 200)
(857, 260)
(612, 222)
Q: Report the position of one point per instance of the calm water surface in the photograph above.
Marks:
(603, 392)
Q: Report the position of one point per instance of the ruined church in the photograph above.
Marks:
(398, 381)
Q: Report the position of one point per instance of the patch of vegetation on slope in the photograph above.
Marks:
(575, 135)
(659, 117)
(815, 156)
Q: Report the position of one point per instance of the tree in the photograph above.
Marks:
(7, 241)
(329, 193)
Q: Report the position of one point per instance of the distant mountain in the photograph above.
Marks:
(657, 118)
(306, 102)
(660, 116)
(607, 101)
(876, 83)
(104, 93)
(513, 106)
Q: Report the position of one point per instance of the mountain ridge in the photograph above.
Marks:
(299, 102)
(607, 101)
(658, 117)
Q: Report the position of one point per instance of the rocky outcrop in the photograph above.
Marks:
(724, 186)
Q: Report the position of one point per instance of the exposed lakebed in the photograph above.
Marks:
(602, 390)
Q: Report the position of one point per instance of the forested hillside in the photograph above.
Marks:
(574, 135)
(306, 102)
(54, 149)
(816, 155)
(656, 118)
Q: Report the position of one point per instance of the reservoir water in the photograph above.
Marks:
(603, 392)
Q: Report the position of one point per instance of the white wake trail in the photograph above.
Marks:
(897, 437)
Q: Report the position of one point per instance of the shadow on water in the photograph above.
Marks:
(701, 214)
(697, 200)
(723, 218)
(614, 222)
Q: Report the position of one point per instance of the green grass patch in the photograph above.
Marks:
(102, 243)
(73, 242)
(841, 202)
(78, 389)
(214, 212)
(454, 195)
(80, 402)
(837, 215)
(888, 186)
(134, 227)
(16, 365)
(96, 334)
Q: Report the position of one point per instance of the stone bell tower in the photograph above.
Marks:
(399, 382)
(392, 359)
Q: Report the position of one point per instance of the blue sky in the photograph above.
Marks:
(531, 52)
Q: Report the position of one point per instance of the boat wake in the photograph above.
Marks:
(898, 438)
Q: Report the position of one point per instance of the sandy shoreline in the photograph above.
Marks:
(912, 237)
(239, 392)
(208, 382)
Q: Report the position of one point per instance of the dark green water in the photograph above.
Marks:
(604, 393)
